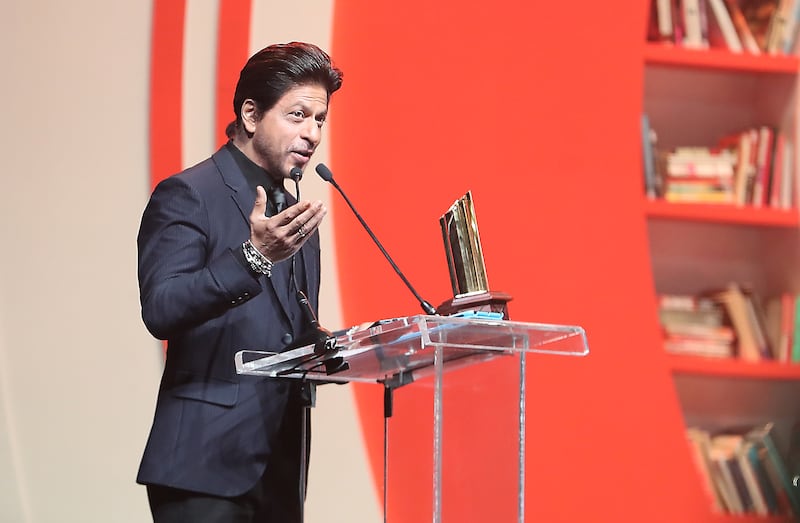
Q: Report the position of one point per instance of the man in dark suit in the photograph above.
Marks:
(221, 269)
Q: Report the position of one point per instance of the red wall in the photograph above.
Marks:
(534, 106)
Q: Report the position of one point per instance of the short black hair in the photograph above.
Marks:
(276, 69)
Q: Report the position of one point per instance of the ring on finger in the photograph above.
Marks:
(301, 232)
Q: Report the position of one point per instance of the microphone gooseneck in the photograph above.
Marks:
(327, 175)
(308, 312)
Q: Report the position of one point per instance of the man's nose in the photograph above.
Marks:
(311, 131)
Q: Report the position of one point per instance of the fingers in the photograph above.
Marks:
(260, 207)
(305, 222)
(302, 212)
(311, 218)
(293, 212)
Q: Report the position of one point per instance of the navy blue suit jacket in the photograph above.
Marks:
(213, 429)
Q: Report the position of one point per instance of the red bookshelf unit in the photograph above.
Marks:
(701, 98)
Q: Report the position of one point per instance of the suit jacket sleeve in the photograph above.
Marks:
(181, 286)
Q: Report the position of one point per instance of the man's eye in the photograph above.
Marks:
(298, 114)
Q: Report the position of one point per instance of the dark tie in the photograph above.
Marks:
(277, 198)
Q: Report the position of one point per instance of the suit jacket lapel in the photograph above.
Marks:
(244, 199)
(232, 176)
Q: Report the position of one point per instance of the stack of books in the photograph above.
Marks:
(695, 326)
(744, 472)
(698, 174)
(732, 322)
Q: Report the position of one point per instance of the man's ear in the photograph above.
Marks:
(248, 114)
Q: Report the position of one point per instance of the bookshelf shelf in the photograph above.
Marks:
(733, 368)
(750, 518)
(719, 59)
(718, 213)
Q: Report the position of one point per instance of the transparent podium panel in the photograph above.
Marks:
(476, 435)
(454, 406)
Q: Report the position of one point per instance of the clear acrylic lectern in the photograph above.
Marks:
(401, 351)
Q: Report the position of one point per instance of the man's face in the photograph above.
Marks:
(287, 135)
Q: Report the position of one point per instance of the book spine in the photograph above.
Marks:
(648, 156)
(726, 26)
(762, 477)
(783, 474)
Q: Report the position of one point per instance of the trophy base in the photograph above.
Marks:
(487, 301)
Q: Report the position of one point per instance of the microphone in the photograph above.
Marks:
(327, 175)
(322, 339)
(296, 174)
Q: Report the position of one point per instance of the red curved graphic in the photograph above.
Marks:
(166, 73)
(233, 48)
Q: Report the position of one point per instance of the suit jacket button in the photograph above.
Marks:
(287, 339)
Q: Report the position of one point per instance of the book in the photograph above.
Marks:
(779, 325)
(720, 22)
(760, 15)
(778, 27)
(790, 30)
(693, 25)
(750, 479)
(755, 313)
(787, 335)
(777, 178)
(702, 348)
(700, 443)
(743, 145)
(739, 306)
(742, 28)
(664, 19)
(653, 31)
(721, 453)
(678, 30)
(764, 150)
(763, 480)
(707, 195)
(648, 158)
(702, 6)
(781, 497)
(784, 150)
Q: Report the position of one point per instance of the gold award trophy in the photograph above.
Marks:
(462, 246)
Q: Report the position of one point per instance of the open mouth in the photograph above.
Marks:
(304, 154)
